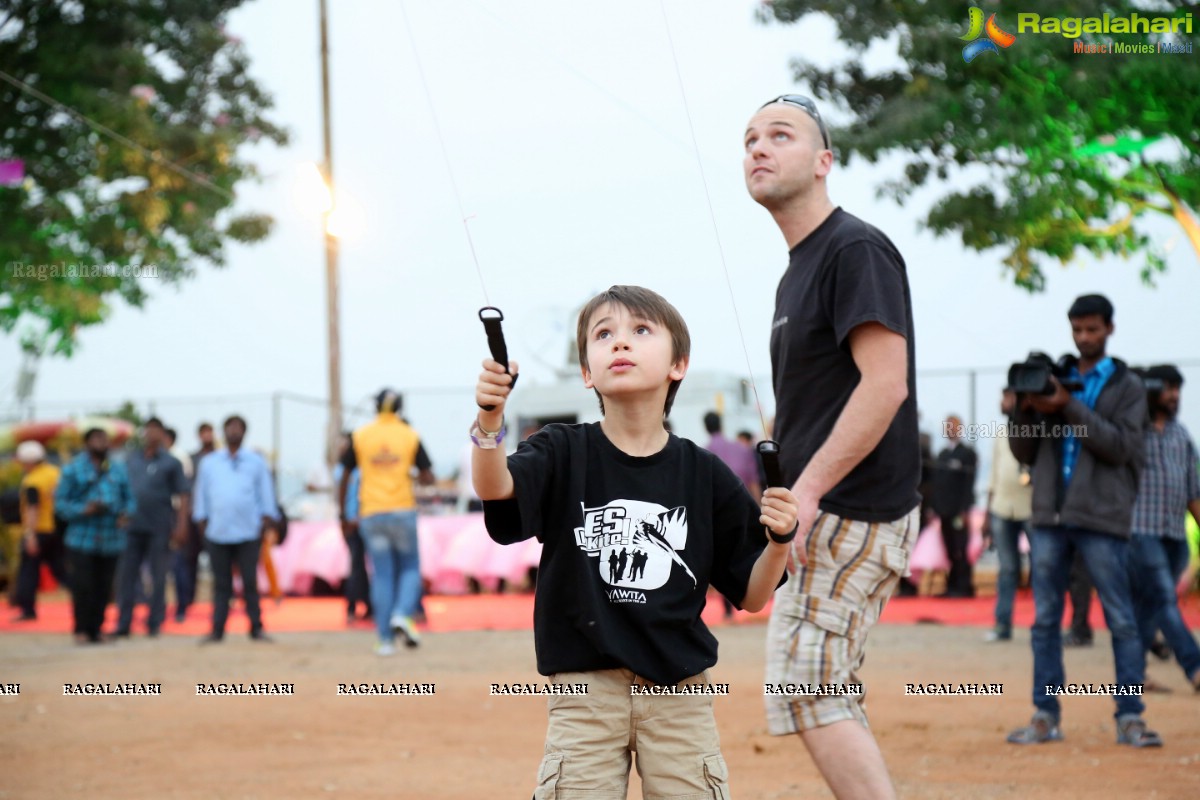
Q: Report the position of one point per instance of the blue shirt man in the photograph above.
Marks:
(234, 495)
(233, 500)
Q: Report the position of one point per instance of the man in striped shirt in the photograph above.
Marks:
(95, 498)
(1158, 552)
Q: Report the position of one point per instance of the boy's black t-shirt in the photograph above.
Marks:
(630, 546)
(843, 274)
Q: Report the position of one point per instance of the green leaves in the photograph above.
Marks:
(1064, 136)
(148, 202)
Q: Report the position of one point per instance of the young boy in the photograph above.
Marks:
(635, 524)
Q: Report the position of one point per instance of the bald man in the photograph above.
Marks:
(842, 358)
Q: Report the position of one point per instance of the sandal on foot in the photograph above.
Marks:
(1041, 729)
(1133, 732)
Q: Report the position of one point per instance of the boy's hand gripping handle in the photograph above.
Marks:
(768, 453)
(495, 337)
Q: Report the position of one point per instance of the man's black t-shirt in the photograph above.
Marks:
(629, 548)
(843, 274)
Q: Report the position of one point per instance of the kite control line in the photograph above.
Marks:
(768, 449)
(491, 324)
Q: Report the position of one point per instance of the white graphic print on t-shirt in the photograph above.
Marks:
(636, 544)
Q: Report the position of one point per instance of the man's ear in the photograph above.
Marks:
(824, 164)
(680, 369)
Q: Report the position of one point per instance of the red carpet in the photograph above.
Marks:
(515, 612)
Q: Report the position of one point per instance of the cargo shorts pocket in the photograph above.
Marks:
(830, 615)
(896, 559)
(548, 775)
(716, 774)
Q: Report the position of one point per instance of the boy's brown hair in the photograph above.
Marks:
(643, 303)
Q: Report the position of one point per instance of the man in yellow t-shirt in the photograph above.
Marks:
(387, 452)
(40, 543)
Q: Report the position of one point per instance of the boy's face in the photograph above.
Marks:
(629, 355)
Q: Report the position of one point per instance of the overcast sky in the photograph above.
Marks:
(570, 145)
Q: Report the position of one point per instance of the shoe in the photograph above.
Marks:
(152, 633)
(1161, 650)
(1131, 730)
(385, 649)
(998, 635)
(1195, 681)
(180, 616)
(405, 627)
(120, 634)
(212, 638)
(261, 636)
(23, 617)
(1041, 729)
(1072, 639)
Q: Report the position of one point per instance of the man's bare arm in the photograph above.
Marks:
(882, 358)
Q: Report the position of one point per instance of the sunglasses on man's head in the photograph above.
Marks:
(806, 105)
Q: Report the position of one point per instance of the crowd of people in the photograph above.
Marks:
(102, 524)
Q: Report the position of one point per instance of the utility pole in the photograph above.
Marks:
(331, 260)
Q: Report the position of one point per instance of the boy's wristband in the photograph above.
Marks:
(486, 440)
(777, 539)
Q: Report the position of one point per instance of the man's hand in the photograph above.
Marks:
(1051, 404)
(492, 390)
(779, 509)
(806, 515)
(179, 535)
(122, 520)
(93, 508)
(349, 526)
(29, 543)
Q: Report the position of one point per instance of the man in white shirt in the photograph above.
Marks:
(1009, 506)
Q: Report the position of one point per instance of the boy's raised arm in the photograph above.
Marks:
(489, 464)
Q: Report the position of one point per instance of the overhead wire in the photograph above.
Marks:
(157, 158)
(712, 215)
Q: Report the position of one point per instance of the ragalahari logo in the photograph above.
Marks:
(995, 36)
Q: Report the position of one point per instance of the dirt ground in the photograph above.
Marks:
(463, 743)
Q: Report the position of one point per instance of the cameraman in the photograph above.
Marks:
(1158, 551)
(1086, 450)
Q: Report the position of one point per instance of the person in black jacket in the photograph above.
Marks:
(953, 496)
(1086, 449)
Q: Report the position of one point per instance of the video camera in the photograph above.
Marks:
(1032, 376)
